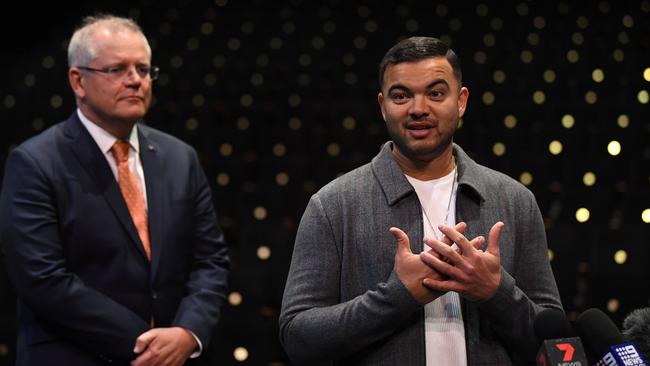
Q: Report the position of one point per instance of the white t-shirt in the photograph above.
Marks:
(443, 319)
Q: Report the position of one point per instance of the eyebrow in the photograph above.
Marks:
(431, 85)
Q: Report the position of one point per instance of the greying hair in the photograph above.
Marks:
(81, 49)
(416, 49)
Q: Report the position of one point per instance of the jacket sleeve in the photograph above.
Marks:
(314, 324)
(206, 287)
(29, 231)
(530, 288)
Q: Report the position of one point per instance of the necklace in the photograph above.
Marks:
(451, 195)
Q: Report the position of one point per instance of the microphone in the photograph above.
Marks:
(636, 328)
(559, 347)
(604, 339)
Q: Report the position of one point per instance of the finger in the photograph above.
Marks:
(458, 238)
(143, 359)
(460, 227)
(477, 242)
(443, 251)
(403, 243)
(442, 286)
(455, 272)
(493, 238)
(142, 342)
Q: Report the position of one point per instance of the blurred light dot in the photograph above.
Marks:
(295, 123)
(551, 255)
(582, 22)
(223, 179)
(591, 97)
(29, 80)
(243, 123)
(363, 11)
(488, 98)
(499, 76)
(442, 10)
(614, 148)
(304, 60)
(645, 215)
(643, 97)
(522, 9)
(489, 40)
(646, 74)
(329, 27)
(568, 121)
(318, 43)
(48, 62)
(176, 62)
(350, 78)
(234, 44)
(279, 150)
(282, 179)
(348, 59)
(589, 179)
(623, 121)
(539, 97)
(349, 123)
(294, 100)
(499, 149)
(628, 21)
(304, 79)
(246, 100)
(539, 22)
(210, 79)
(526, 56)
(37, 124)
(225, 149)
(247, 27)
(598, 75)
(613, 305)
(9, 101)
(263, 252)
(275, 43)
(480, 57)
(411, 25)
(446, 39)
(620, 256)
(618, 55)
(221, 3)
(549, 76)
(333, 149)
(481, 10)
(240, 354)
(623, 38)
(234, 298)
(218, 61)
(577, 38)
(526, 178)
(359, 42)
(192, 44)
(370, 26)
(56, 101)
(207, 28)
(191, 124)
(262, 60)
(555, 147)
(257, 79)
(496, 23)
(455, 24)
(533, 39)
(582, 214)
(198, 100)
(165, 28)
(510, 121)
(259, 213)
(572, 56)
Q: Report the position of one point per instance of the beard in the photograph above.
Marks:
(420, 149)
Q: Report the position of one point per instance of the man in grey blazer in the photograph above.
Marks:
(391, 265)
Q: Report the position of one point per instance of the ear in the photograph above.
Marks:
(380, 100)
(74, 77)
(462, 101)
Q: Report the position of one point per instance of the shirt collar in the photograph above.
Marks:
(104, 139)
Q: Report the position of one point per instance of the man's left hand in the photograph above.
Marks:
(471, 272)
(164, 347)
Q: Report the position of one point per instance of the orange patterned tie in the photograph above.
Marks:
(132, 193)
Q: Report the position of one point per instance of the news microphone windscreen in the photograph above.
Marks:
(598, 331)
(551, 324)
(636, 328)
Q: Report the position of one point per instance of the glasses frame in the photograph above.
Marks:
(154, 71)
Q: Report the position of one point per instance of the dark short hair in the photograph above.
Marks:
(416, 49)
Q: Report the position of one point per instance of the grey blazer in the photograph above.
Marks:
(344, 305)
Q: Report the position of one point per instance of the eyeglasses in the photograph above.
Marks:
(120, 72)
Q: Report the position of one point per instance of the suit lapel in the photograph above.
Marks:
(93, 161)
(151, 157)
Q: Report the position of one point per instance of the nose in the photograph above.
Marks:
(418, 108)
(132, 76)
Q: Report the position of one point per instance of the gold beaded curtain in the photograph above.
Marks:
(279, 98)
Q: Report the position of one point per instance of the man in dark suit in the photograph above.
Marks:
(111, 237)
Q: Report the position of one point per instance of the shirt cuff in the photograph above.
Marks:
(198, 352)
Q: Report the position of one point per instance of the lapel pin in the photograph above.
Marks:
(151, 147)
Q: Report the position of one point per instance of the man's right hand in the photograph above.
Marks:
(410, 269)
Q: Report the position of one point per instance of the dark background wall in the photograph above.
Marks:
(279, 98)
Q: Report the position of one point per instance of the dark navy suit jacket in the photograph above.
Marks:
(86, 289)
